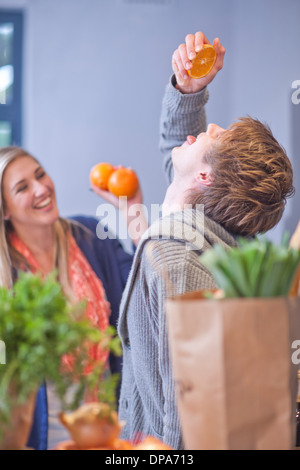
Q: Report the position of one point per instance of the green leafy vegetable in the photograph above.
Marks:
(256, 268)
(39, 328)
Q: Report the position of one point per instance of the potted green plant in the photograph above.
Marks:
(256, 268)
(232, 349)
(39, 328)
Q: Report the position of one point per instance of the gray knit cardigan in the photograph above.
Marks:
(166, 263)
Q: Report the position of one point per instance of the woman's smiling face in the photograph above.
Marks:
(29, 194)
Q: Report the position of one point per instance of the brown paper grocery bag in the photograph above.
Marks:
(235, 380)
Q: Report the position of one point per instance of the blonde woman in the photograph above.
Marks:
(34, 237)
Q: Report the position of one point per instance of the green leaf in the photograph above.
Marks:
(39, 327)
(256, 268)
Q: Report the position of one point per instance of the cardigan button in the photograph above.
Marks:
(125, 403)
(127, 343)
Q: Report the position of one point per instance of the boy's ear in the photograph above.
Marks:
(204, 178)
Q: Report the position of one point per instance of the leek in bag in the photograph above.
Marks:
(256, 268)
(232, 356)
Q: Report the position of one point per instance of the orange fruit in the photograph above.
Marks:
(123, 182)
(100, 174)
(151, 443)
(117, 444)
(203, 62)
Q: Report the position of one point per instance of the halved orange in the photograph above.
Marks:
(203, 62)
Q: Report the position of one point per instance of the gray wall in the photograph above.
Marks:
(95, 72)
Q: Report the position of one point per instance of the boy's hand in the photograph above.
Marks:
(185, 53)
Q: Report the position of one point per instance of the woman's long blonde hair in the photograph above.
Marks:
(10, 259)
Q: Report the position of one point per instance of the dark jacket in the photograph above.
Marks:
(112, 265)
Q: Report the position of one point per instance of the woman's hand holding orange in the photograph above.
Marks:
(134, 216)
(119, 202)
(182, 62)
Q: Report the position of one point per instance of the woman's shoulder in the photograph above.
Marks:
(86, 233)
(83, 224)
